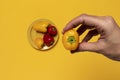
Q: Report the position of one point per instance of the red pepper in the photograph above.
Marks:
(52, 30)
(48, 39)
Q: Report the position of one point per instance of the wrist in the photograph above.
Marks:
(117, 53)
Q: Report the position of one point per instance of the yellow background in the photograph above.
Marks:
(19, 61)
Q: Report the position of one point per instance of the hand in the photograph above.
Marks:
(109, 42)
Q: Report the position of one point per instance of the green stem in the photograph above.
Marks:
(71, 39)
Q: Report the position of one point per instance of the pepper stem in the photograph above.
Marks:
(71, 39)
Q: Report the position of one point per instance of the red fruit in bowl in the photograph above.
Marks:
(52, 30)
(48, 39)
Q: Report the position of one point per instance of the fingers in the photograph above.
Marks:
(88, 20)
(83, 28)
(90, 35)
(87, 46)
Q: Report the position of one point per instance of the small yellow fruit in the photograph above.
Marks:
(39, 43)
(70, 40)
(41, 26)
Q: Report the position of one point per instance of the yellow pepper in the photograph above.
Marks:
(70, 40)
(39, 43)
(41, 26)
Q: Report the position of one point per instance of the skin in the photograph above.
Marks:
(107, 44)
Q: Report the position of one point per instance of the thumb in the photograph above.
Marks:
(87, 46)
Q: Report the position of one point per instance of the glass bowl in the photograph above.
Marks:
(33, 34)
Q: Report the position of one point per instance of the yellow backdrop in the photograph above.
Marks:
(19, 61)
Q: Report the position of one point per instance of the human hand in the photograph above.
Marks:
(109, 42)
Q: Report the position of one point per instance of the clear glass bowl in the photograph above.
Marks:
(32, 35)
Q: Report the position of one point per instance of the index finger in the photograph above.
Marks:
(85, 19)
